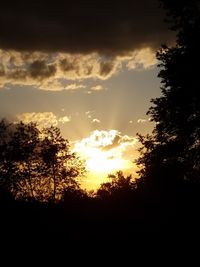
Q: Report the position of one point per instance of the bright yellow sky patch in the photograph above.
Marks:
(106, 152)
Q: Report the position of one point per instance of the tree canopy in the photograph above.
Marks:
(173, 150)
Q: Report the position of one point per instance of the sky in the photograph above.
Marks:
(88, 67)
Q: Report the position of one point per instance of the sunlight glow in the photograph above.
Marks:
(105, 152)
(104, 162)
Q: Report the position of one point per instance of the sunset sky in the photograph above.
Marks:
(86, 67)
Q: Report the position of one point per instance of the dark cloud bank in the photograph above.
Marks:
(106, 27)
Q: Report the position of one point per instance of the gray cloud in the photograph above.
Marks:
(46, 70)
(119, 140)
(105, 27)
(2, 70)
(40, 70)
(68, 65)
(37, 70)
(43, 44)
(106, 67)
(115, 142)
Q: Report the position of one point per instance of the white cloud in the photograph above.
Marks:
(64, 119)
(141, 121)
(50, 84)
(43, 119)
(89, 113)
(96, 121)
(107, 141)
(74, 86)
(142, 59)
(97, 88)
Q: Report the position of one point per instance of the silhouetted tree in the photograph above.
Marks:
(60, 165)
(6, 164)
(173, 150)
(35, 164)
(119, 185)
(24, 154)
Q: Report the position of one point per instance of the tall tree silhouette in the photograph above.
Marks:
(173, 150)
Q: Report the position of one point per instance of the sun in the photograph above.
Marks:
(101, 162)
(104, 153)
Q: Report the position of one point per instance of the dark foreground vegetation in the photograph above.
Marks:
(120, 216)
(40, 193)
